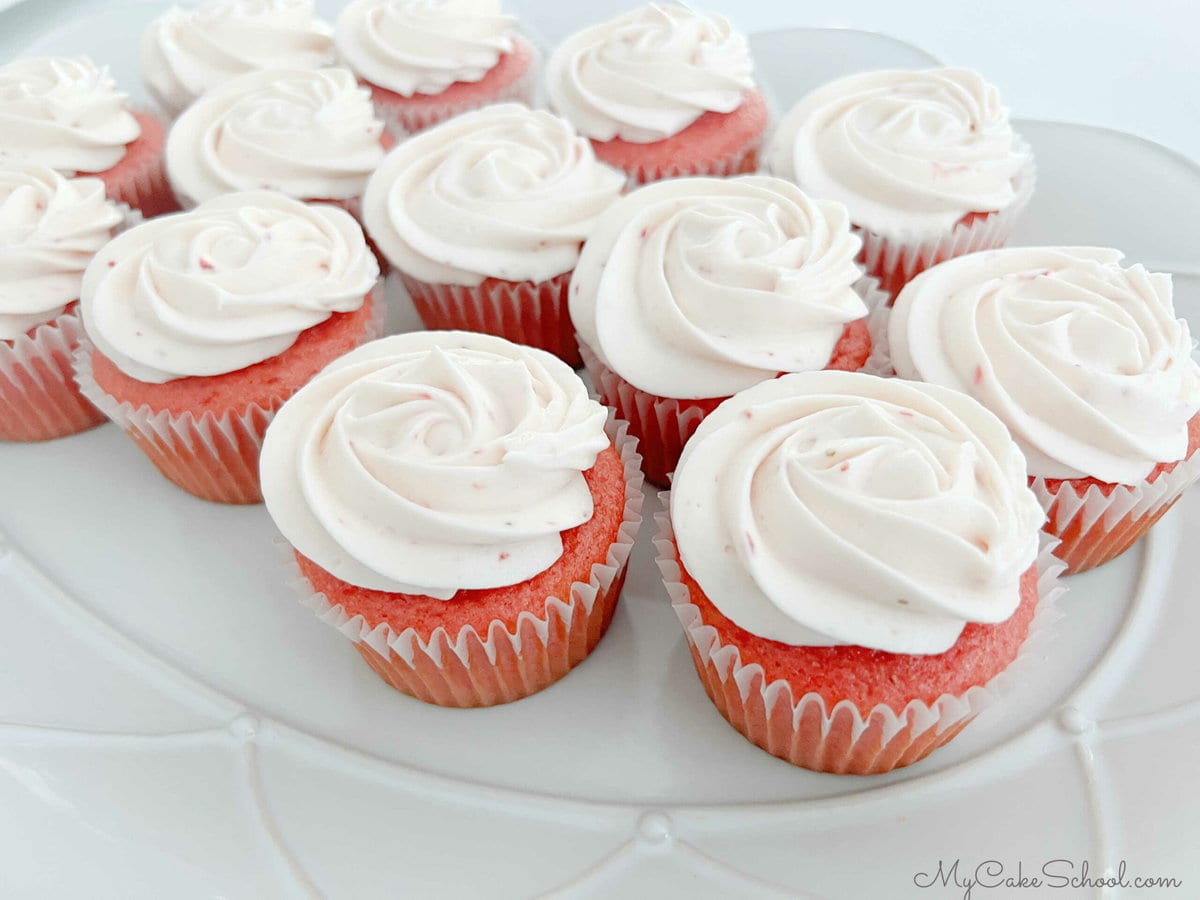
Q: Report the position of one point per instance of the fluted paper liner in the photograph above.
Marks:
(843, 739)
(38, 396)
(663, 425)
(469, 670)
(525, 312)
(212, 457)
(401, 120)
(146, 188)
(895, 261)
(1094, 528)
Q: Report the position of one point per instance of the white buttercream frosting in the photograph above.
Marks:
(841, 508)
(50, 228)
(700, 287)
(502, 192)
(423, 46)
(648, 74)
(910, 153)
(65, 113)
(430, 462)
(1083, 359)
(227, 285)
(186, 52)
(309, 133)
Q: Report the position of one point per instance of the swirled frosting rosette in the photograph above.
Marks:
(202, 324)
(429, 60)
(484, 216)
(927, 162)
(186, 52)
(50, 227)
(459, 509)
(692, 289)
(663, 91)
(855, 561)
(1083, 359)
(309, 133)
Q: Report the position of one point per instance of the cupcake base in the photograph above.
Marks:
(497, 654)
(1097, 521)
(205, 434)
(840, 737)
(716, 144)
(39, 399)
(513, 78)
(140, 178)
(524, 312)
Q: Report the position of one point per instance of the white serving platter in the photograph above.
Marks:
(174, 724)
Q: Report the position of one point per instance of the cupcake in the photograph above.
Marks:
(692, 289)
(427, 61)
(1085, 362)
(855, 562)
(459, 509)
(202, 323)
(927, 163)
(484, 217)
(661, 91)
(50, 228)
(68, 114)
(309, 133)
(186, 52)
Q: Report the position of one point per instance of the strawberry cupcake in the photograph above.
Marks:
(50, 228)
(68, 114)
(186, 52)
(855, 562)
(202, 323)
(927, 163)
(484, 216)
(311, 134)
(662, 91)
(459, 509)
(692, 289)
(427, 61)
(1085, 362)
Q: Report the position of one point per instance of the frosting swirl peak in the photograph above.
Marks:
(227, 285)
(840, 508)
(648, 74)
(1083, 359)
(423, 46)
(700, 287)
(65, 113)
(429, 462)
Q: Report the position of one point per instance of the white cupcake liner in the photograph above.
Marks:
(897, 259)
(524, 312)
(469, 669)
(663, 425)
(843, 739)
(214, 457)
(39, 400)
(147, 190)
(1095, 528)
(401, 121)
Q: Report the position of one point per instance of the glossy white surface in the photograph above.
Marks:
(175, 724)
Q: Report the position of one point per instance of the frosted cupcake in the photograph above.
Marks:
(50, 228)
(927, 163)
(67, 114)
(855, 562)
(428, 60)
(661, 91)
(309, 133)
(1085, 362)
(458, 509)
(693, 289)
(202, 323)
(186, 52)
(484, 217)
